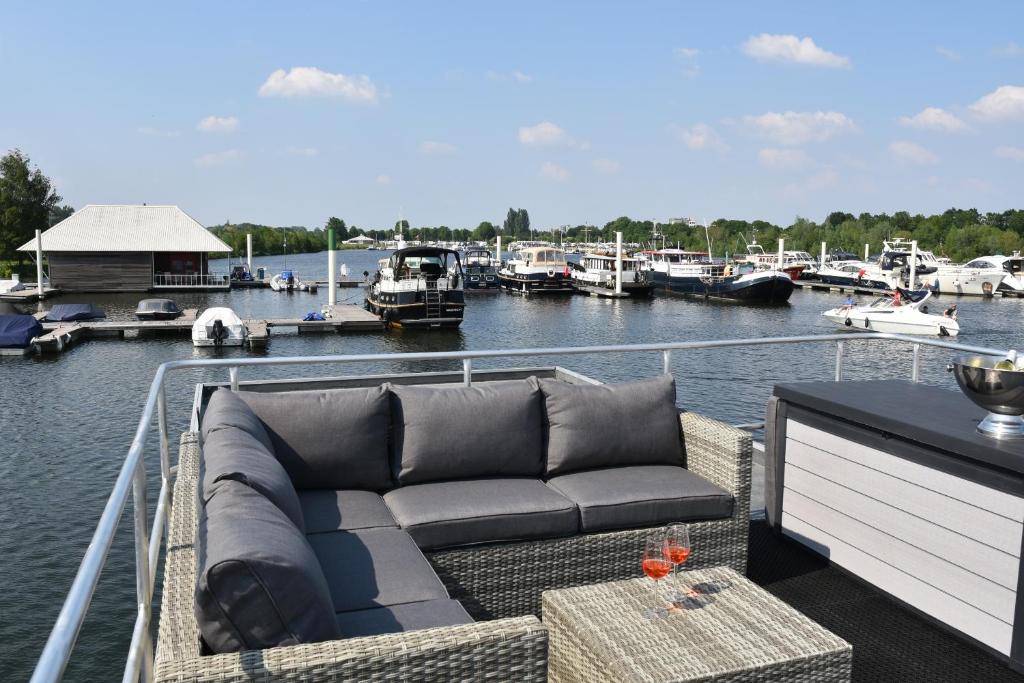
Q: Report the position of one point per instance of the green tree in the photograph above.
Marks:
(402, 226)
(26, 199)
(341, 232)
(59, 213)
(485, 232)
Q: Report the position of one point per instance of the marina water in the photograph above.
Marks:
(68, 420)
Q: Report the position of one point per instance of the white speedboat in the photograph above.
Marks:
(218, 327)
(903, 312)
(288, 281)
(937, 273)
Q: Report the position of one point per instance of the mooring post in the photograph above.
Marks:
(39, 264)
(332, 270)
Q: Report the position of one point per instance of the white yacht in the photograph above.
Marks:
(903, 312)
(851, 274)
(1012, 268)
(418, 287)
(219, 327)
(596, 273)
(938, 274)
(799, 265)
(534, 270)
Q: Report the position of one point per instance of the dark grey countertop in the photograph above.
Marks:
(932, 416)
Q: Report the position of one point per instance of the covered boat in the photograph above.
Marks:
(418, 287)
(62, 313)
(904, 312)
(14, 284)
(157, 309)
(218, 327)
(18, 330)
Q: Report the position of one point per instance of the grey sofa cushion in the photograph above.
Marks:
(642, 496)
(343, 510)
(375, 568)
(399, 618)
(492, 429)
(331, 439)
(611, 425)
(259, 584)
(226, 409)
(454, 513)
(233, 454)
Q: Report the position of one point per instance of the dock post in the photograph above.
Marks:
(39, 264)
(782, 245)
(866, 254)
(248, 250)
(332, 274)
(821, 264)
(913, 264)
(499, 251)
(618, 263)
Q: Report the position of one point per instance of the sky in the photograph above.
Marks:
(449, 113)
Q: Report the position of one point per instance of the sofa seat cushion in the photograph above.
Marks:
(611, 425)
(642, 496)
(234, 454)
(259, 584)
(343, 510)
(411, 616)
(226, 409)
(454, 513)
(504, 437)
(329, 439)
(375, 568)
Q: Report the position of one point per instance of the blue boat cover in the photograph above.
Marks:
(66, 312)
(313, 315)
(286, 274)
(16, 331)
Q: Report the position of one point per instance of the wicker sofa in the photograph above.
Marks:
(494, 560)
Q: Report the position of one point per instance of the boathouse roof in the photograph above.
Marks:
(129, 227)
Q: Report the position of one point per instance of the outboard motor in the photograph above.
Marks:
(219, 332)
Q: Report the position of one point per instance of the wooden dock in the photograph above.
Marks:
(843, 289)
(343, 319)
(27, 296)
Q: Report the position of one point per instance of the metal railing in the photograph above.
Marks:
(148, 541)
(191, 280)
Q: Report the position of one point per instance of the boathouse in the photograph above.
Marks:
(130, 248)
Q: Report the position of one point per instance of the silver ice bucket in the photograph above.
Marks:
(1000, 392)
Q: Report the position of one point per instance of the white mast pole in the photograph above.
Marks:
(39, 264)
(866, 254)
(618, 263)
(499, 250)
(913, 264)
(782, 244)
(823, 254)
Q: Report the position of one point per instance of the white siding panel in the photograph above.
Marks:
(1001, 534)
(945, 575)
(981, 496)
(950, 610)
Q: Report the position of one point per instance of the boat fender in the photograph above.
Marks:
(219, 332)
(943, 332)
(867, 324)
(848, 322)
(551, 272)
(386, 316)
(455, 280)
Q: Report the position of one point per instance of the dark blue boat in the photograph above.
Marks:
(62, 313)
(17, 331)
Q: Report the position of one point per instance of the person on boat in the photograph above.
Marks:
(897, 299)
(850, 303)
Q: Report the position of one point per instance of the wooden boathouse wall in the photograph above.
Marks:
(86, 271)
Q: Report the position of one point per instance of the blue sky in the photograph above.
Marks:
(452, 112)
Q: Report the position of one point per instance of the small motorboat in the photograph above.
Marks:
(62, 313)
(157, 309)
(218, 327)
(288, 281)
(903, 312)
(17, 331)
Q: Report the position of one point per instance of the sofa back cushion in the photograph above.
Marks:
(492, 429)
(329, 439)
(259, 584)
(610, 425)
(225, 409)
(231, 454)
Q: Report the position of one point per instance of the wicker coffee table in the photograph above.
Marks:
(728, 630)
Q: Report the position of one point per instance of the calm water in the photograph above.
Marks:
(67, 421)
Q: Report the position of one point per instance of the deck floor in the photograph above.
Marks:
(890, 643)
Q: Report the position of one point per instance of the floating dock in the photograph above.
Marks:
(27, 296)
(343, 319)
(824, 287)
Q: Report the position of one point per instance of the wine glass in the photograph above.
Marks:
(676, 550)
(656, 567)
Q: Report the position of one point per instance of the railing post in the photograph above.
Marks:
(666, 362)
(143, 579)
(467, 371)
(165, 443)
(915, 367)
(840, 349)
(233, 375)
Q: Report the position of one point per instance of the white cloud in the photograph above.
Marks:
(797, 128)
(432, 147)
(686, 52)
(218, 158)
(303, 151)
(305, 81)
(383, 179)
(1007, 152)
(951, 55)
(788, 48)
(909, 153)
(698, 136)
(544, 133)
(159, 132)
(1005, 102)
(934, 118)
(553, 171)
(605, 165)
(782, 158)
(520, 77)
(218, 124)
(517, 76)
(1009, 50)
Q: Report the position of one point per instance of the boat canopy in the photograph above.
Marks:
(416, 257)
(157, 306)
(913, 296)
(17, 331)
(67, 312)
(547, 255)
